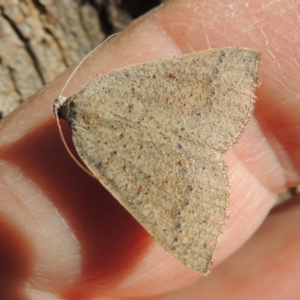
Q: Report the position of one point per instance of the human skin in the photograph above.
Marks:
(63, 236)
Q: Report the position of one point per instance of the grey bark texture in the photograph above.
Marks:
(41, 38)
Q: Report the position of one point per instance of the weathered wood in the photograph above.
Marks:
(40, 39)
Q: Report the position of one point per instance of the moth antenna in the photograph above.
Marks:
(61, 99)
(78, 163)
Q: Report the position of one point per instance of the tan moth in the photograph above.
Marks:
(154, 133)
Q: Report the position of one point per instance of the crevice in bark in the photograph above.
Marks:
(49, 32)
(26, 43)
(40, 7)
(137, 8)
(103, 15)
(13, 81)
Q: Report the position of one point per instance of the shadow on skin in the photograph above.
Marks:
(112, 242)
(15, 261)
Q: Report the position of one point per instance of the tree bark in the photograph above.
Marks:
(39, 39)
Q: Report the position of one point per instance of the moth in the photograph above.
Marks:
(154, 134)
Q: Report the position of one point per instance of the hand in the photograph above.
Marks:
(64, 236)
